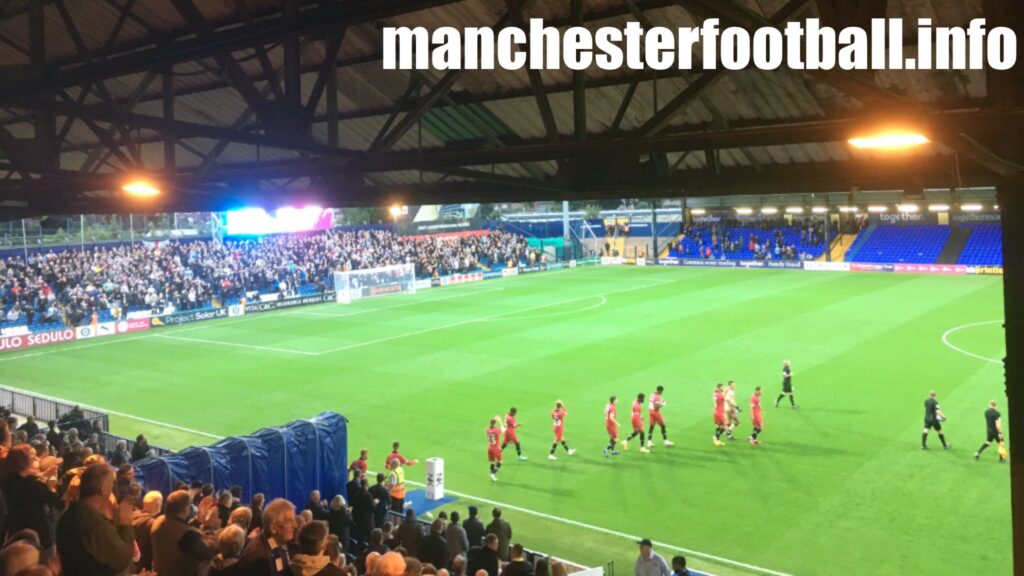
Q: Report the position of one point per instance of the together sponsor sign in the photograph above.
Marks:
(255, 307)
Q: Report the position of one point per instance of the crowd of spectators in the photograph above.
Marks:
(73, 286)
(760, 240)
(65, 508)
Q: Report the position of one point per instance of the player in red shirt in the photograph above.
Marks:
(360, 463)
(558, 422)
(756, 416)
(612, 426)
(510, 433)
(396, 456)
(637, 420)
(493, 449)
(720, 421)
(654, 416)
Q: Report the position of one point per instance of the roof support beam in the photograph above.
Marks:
(536, 83)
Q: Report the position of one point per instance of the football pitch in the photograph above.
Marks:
(838, 486)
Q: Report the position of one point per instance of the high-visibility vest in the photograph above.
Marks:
(397, 481)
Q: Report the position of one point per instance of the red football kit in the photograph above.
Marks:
(558, 422)
(654, 410)
(755, 411)
(493, 448)
(609, 421)
(510, 429)
(637, 418)
(720, 409)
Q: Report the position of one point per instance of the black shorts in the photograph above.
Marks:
(787, 388)
(993, 436)
(929, 424)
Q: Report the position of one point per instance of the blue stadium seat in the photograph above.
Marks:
(902, 244)
(984, 246)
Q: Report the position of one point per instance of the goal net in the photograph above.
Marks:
(353, 285)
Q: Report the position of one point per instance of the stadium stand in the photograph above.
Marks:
(984, 246)
(771, 240)
(60, 491)
(48, 291)
(899, 244)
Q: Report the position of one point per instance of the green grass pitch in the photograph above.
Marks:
(838, 486)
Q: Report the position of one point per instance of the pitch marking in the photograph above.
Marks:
(945, 340)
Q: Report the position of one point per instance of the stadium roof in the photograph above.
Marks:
(233, 101)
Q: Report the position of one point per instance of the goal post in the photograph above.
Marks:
(350, 285)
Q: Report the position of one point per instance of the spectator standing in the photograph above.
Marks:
(518, 566)
(362, 512)
(650, 563)
(30, 502)
(267, 554)
(230, 543)
(409, 534)
(679, 568)
(484, 557)
(141, 448)
(381, 501)
(503, 530)
(88, 543)
(455, 538)
(179, 548)
(312, 558)
(316, 506)
(434, 549)
(120, 454)
(474, 528)
(340, 521)
(142, 525)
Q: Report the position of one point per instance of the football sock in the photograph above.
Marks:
(792, 400)
(519, 451)
(564, 445)
(664, 433)
(650, 431)
(983, 446)
(756, 432)
(611, 444)
(503, 445)
(924, 440)
(718, 433)
(553, 446)
(942, 438)
(779, 399)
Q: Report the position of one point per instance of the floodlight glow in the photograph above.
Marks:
(249, 221)
(794, 210)
(819, 209)
(907, 207)
(848, 209)
(893, 140)
(971, 207)
(938, 207)
(395, 211)
(744, 211)
(878, 209)
(769, 210)
(141, 189)
(698, 212)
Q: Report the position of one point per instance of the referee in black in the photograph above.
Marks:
(994, 428)
(787, 385)
(933, 418)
